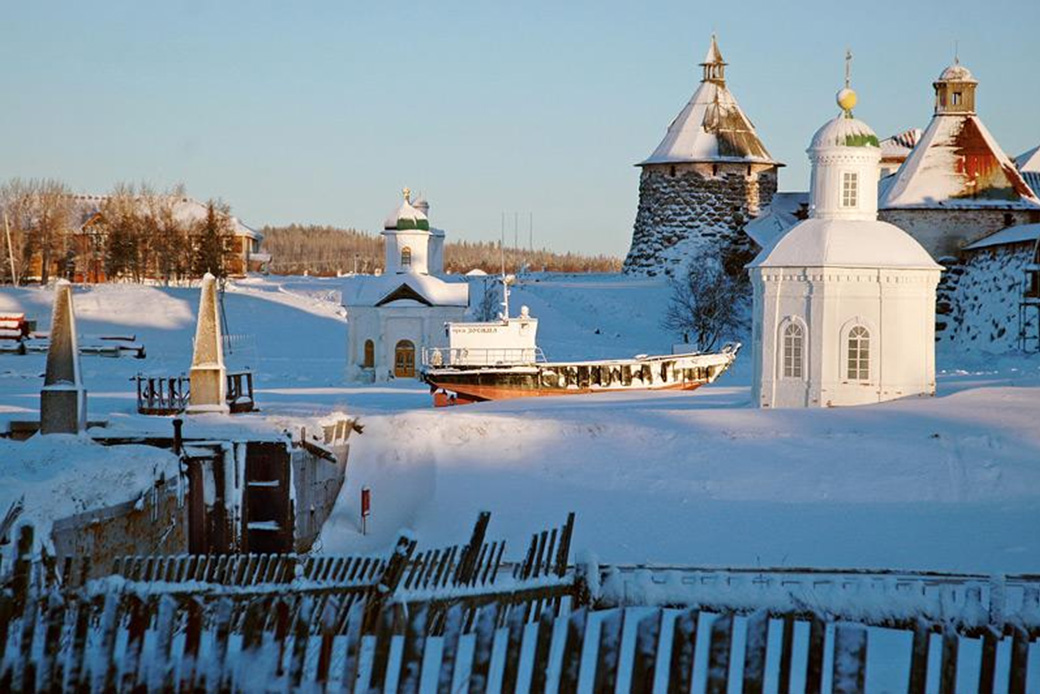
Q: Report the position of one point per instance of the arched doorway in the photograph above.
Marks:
(404, 359)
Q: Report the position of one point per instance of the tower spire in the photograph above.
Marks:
(714, 66)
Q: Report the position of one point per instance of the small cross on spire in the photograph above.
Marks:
(848, 67)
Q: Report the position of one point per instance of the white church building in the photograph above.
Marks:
(844, 304)
(394, 316)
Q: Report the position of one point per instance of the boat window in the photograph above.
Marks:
(370, 354)
(793, 349)
(859, 354)
(406, 256)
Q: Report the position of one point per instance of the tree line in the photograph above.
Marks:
(134, 233)
(326, 250)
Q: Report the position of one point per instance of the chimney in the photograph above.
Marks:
(63, 400)
(208, 375)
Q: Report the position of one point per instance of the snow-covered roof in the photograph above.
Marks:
(899, 146)
(845, 243)
(388, 289)
(784, 211)
(407, 216)
(956, 73)
(711, 127)
(185, 210)
(1021, 233)
(1029, 161)
(958, 164)
(844, 131)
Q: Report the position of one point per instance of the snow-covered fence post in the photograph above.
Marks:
(543, 643)
(1019, 660)
(189, 670)
(135, 641)
(919, 658)
(162, 664)
(684, 645)
(644, 658)
(718, 655)
(381, 652)
(352, 652)
(328, 637)
(412, 654)
(301, 634)
(52, 672)
(514, 644)
(850, 658)
(449, 649)
(948, 664)
(755, 652)
(786, 655)
(22, 569)
(570, 666)
(814, 664)
(482, 647)
(609, 654)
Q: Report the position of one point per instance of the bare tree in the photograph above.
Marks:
(16, 217)
(706, 304)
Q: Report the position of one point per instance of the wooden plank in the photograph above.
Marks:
(222, 619)
(570, 667)
(609, 653)
(109, 626)
(542, 539)
(52, 670)
(783, 685)
(78, 672)
(988, 660)
(565, 545)
(1019, 669)
(381, 651)
(449, 649)
(301, 634)
(850, 659)
(412, 655)
(644, 659)
(543, 642)
(282, 625)
(548, 565)
(919, 658)
(718, 654)
(493, 562)
(162, 663)
(192, 639)
(482, 647)
(329, 612)
(755, 652)
(948, 664)
(814, 658)
(352, 651)
(514, 645)
(684, 647)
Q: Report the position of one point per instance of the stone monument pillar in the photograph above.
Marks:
(208, 374)
(63, 399)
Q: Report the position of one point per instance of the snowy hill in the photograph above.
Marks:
(944, 483)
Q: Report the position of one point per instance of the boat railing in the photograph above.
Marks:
(437, 357)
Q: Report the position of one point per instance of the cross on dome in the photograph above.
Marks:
(847, 96)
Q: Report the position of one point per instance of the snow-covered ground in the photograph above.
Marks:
(946, 483)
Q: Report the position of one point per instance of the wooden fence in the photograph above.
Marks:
(397, 624)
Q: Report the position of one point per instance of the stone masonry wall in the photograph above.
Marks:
(685, 206)
(979, 300)
(944, 232)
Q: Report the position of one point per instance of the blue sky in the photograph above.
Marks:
(320, 112)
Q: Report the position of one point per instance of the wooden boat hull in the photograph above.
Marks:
(461, 385)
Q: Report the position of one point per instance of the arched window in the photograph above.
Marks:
(849, 189)
(793, 350)
(859, 354)
(406, 256)
(370, 355)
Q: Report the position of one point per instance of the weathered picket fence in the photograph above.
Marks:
(461, 619)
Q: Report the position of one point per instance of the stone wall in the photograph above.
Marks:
(684, 206)
(978, 307)
(944, 232)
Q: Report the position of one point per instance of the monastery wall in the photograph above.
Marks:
(979, 300)
(683, 206)
(944, 232)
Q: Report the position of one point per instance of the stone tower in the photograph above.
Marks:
(706, 179)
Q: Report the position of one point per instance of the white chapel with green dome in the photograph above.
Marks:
(393, 317)
(844, 304)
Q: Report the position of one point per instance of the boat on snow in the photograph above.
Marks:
(498, 360)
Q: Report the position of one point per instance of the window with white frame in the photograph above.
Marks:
(849, 189)
(859, 354)
(793, 348)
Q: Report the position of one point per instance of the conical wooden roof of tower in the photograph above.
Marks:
(712, 127)
(957, 163)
